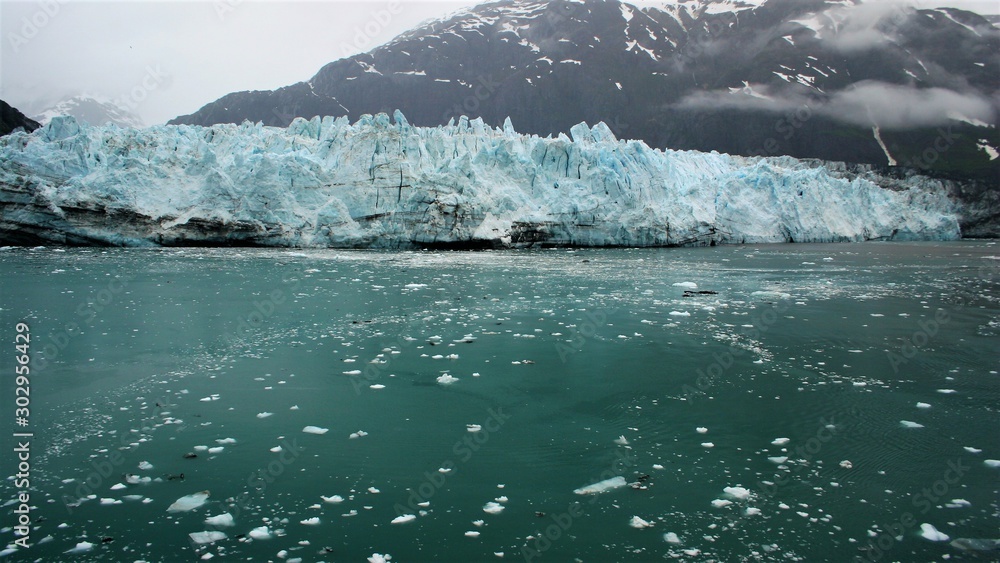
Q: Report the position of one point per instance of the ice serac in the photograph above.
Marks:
(382, 183)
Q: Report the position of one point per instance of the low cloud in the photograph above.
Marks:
(902, 107)
(865, 103)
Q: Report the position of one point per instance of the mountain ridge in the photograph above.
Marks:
(798, 76)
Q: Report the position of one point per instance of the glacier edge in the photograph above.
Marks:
(381, 183)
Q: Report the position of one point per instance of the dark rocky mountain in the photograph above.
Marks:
(11, 119)
(872, 83)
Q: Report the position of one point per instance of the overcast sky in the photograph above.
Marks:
(164, 59)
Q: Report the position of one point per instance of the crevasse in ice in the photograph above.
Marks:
(383, 183)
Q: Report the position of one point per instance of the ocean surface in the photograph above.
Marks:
(815, 403)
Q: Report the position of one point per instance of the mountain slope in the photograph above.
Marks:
(11, 118)
(840, 81)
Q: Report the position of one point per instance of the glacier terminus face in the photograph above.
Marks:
(381, 183)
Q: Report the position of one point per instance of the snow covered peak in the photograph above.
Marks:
(694, 9)
(93, 109)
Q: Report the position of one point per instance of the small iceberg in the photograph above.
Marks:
(446, 379)
(639, 523)
(206, 537)
(82, 547)
(738, 493)
(261, 533)
(404, 519)
(910, 424)
(493, 508)
(602, 486)
(929, 532)
(189, 502)
(315, 430)
(224, 520)
(335, 499)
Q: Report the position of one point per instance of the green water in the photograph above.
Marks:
(148, 355)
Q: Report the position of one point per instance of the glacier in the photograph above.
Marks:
(382, 183)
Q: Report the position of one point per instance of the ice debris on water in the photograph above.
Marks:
(602, 486)
(189, 502)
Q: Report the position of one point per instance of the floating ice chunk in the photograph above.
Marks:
(707, 445)
(473, 427)
(264, 414)
(778, 459)
(493, 508)
(720, 503)
(679, 314)
(671, 537)
(910, 424)
(602, 486)
(780, 441)
(117, 486)
(133, 479)
(275, 449)
(225, 441)
(377, 386)
(478, 523)
(975, 544)
(771, 295)
(621, 441)
(958, 503)
(846, 464)
(189, 502)
(223, 520)
(261, 533)
(688, 285)
(751, 511)
(335, 499)
(216, 449)
(657, 466)
(923, 405)
(701, 430)
(947, 391)
(358, 434)
(416, 286)
(403, 519)
(314, 521)
(639, 523)
(109, 501)
(207, 537)
(315, 430)
(379, 558)
(446, 379)
(972, 450)
(929, 532)
(373, 490)
(145, 465)
(472, 534)
(353, 372)
(739, 493)
(994, 463)
(82, 547)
